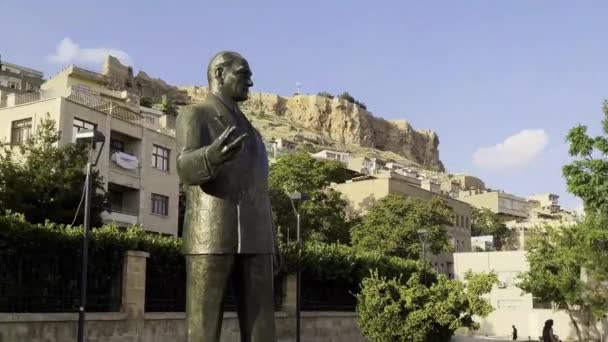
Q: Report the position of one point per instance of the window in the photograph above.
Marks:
(14, 85)
(160, 205)
(160, 158)
(20, 131)
(116, 146)
(79, 125)
(466, 224)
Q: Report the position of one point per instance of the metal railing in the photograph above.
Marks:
(42, 282)
(170, 296)
(108, 107)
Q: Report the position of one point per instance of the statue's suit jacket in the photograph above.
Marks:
(227, 208)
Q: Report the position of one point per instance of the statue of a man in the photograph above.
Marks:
(229, 236)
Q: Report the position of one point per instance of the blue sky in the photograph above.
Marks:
(476, 72)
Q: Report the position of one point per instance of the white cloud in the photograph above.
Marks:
(515, 152)
(68, 52)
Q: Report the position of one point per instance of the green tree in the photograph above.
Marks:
(44, 181)
(167, 106)
(409, 310)
(325, 94)
(485, 222)
(145, 102)
(556, 260)
(348, 97)
(587, 175)
(324, 216)
(391, 226)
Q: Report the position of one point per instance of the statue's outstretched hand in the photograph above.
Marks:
(223, 148)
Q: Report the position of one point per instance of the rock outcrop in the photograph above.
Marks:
(120, 77)
(345, 123)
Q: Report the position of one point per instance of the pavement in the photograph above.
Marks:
(477, 339)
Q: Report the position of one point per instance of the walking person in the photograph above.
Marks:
(514, 333)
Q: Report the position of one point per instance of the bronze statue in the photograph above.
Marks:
(228, 229)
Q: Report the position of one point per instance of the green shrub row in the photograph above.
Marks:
(323, 261)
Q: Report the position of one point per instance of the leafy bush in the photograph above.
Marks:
(336, 262)
(323, 261)
(325, 94)
(410, 309)
(42, 272)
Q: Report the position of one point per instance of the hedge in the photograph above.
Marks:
(322, 265)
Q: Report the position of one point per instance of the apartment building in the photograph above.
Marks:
(137, 162)
(364, 192)
(341, 157)
(507, 205)
(547, 201)
(18, 79)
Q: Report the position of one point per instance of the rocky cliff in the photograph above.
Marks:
(120, 77)
(345, 123)
(333, 121)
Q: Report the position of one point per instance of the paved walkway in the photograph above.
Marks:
(471, 339)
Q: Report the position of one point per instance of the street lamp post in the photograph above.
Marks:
(298, 197)
(422, 235)
(90, 137)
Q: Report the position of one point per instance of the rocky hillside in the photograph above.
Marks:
(338, 123)
(323, 122)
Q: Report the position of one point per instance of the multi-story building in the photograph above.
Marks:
(507, 205)
(342, 157)
(546, 201)
(138, 161)
(364, 192)
(366, 166)
(17, 79)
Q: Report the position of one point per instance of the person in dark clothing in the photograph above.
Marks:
(514, 333)
(548, 335)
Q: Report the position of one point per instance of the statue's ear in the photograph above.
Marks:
(219, 75)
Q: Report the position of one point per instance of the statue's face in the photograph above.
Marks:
(237, 81)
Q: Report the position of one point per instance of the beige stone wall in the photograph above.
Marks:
(511, 305)
(160, 182)
(362, 195)
(36, 111)
(498, 202)
(168, 327)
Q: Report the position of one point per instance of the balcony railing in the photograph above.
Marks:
(96, 102)
(108, 107)
(120, 216)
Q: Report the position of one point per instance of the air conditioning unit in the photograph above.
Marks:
(502, 285)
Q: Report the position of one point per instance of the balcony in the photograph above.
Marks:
(124, 202)
(120, 218)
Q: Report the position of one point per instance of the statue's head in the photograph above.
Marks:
(228, 73)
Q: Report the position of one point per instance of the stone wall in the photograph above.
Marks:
(132, 324)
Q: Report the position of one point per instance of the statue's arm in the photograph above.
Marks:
(193, 167)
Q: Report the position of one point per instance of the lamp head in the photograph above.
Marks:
(298, 196)
(90, 136)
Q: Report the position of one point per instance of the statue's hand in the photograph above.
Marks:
(223, 149)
